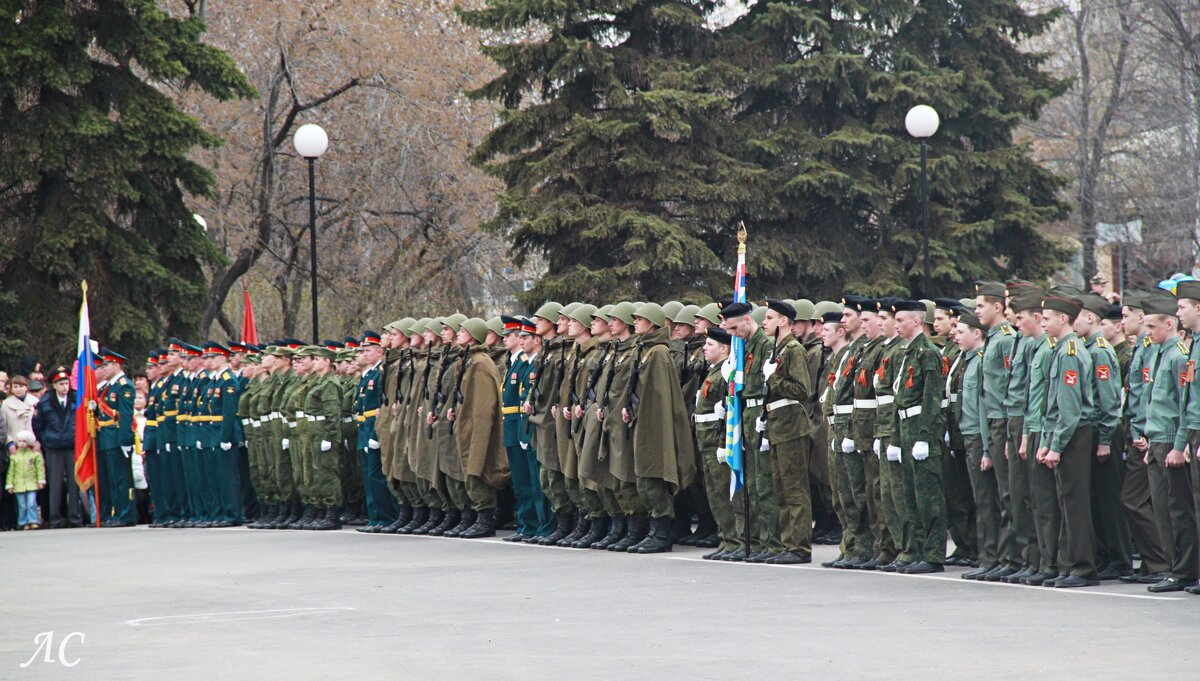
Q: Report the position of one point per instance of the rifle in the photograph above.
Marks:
(535, 390)
(458, 396)
(425, 376)
(405, 358)
(589, 391)
(634, 400)
(438, 397)
(612, 371)
(573, 395)
(562, 371)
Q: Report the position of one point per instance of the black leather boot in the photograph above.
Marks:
(465, 521)
(659, 539)
(329, 521)
(318, 512)
(401, 520)
(450, 520)
(484, 525)
(636, 532)
(616, 530)
(597, 531)
(582, 524)
(436, 516)
(268, 514)
(288, 514)
(419, 516)
(304, 519)
(681, 530)
(563, 522)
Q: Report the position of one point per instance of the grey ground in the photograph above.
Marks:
(264, 605)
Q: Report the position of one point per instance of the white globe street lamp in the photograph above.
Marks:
(310, 142)
(922, 122)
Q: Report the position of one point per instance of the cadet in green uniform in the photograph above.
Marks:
(1173, 408)
(919, 391)
(887, 445)
(1140, 512)
(186, 439)
(710, 438)
(570, 408)
(809, 328)
(155, 375)
(391, 341)
(353, 491)
(972, 423)
(462, 513)
(381, 506)
(413, 427)
(865, 467)
(423, 454)
(285, 378)
(401, 476)
(171, 492)
(296, 439)
(846, 466)
(1043, 490)
(960, 502)
(693, 499)
(595, 479)
(1020, 500)
(227, 437)
(999, 348)
(250, 409)
(323, 411)
(538, 408)
(114, 441)
(835, 339)
(1067, 445)
(789, 432)
(764, 511)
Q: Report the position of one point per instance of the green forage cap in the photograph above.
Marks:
(476, 327)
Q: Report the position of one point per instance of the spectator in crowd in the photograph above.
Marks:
(17, 411)
(54, 426)
(141, 384)
(3, 385)
(141, 488)
(26, 475)
(37, 388)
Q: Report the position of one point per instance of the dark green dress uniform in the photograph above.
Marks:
(1113, 549)
(323, 410)
(170, 490)
(190, 415)
(520, 459)
(887, 452)
(1171, 424)
(150, 447)
(203, 420)
(789, 432)
(230, 437)
(710, 440)
(999, 347)
(1143, 517)
(1043, 490)
(114, 442)
(864, 469)
(381, 506)
(919, 410)
(1067, 431)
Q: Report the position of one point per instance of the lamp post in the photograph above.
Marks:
(310, 142)
(922, 122)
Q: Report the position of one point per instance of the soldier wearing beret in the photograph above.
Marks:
(710, 438)
(886, 444)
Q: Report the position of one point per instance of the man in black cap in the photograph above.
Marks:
(1067, 446)
(764, 520)
(788, 433)
(114, 442)
(54, 426)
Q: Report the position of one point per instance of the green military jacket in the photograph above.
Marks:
(919, 391)
(882, 380)
(1135, 388)
(1164, 397)
(1070, 392)
(952, 367)
(1018, 378)
(1106, 403)
(366, 407)
(843, 386)
(999, 347)
(114, 415)
(710, 412)
(790, 387)
(862, 418)
(971, 419)
(323, 411)
(1038, 360)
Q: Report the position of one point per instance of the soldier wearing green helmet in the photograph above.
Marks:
(688, 330)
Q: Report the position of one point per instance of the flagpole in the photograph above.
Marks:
(741, 364)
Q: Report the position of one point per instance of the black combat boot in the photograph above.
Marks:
(401, 520)
(616, 530)
(294, 512)
(636, 531)
(465, 521)
(581, 527)
(596, 531)
(484, 525)
(268, 513)
(659, 538)
(329, 520)
(436, 516)
(563, 522)
(316, 513)
(681, 530)
(450, 520)
(419, 516)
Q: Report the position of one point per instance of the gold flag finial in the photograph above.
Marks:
(84, 285)
(741, 232)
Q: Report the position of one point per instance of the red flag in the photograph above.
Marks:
(85, 421)
(249, 330)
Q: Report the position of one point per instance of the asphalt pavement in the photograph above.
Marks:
(140, 603)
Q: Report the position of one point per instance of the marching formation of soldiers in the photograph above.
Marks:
(1049, 434)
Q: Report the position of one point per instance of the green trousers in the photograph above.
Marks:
(1140, 513)
(789, 474)
(853, 482)
(1047, 517)
(716, 486)
(1007, 549)
(960, 503)
(1077, 541)
(281, 464)
(895, 503)
(554, 486)
(433, 492)
(1113, 547)
(657, 497)
(926, 500)
(628, 499)
(350, 475)
(480, 495)
(1021, 504)
(1180, 532)
(326, 485)
(456, 494)
(987, 502)
(836, 473)
(884, 547)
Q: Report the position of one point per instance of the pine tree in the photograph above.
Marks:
(828, 84)
(612, 145)
(94, 171)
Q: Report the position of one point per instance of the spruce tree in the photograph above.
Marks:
(612, 145)
(94, 171)
(838, 206)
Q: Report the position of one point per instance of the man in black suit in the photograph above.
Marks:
(54, 426)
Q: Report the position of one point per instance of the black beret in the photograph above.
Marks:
(885, 304)
(971, 320)
(831, 318)
(854, 302)
(908, 306)
(719, 335)
(782, 307)
(948, 304)
(735, 310)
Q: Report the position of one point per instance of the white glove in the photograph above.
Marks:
(127, 451)
(721, 451)
(326, 445)
(286, 443)
(168, 446)
(947, 438)
(719, 410)
(524, 445)
(199, 445)
(373, 444)
(847, 446)
(765, 446)
(893, 453)
(769, 369)
(760, 425)
(226, 446)
(920, 451)
(875, 447)
(727, 368)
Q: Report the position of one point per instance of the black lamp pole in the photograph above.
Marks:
(925, 218)
(312, 244)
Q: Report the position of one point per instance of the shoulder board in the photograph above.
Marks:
(1183, 349)
(225, 375)
(1006, 329)
(1071, 347)
(1101, 342)
(122, 381)
(1146, 342)
(979, 353)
